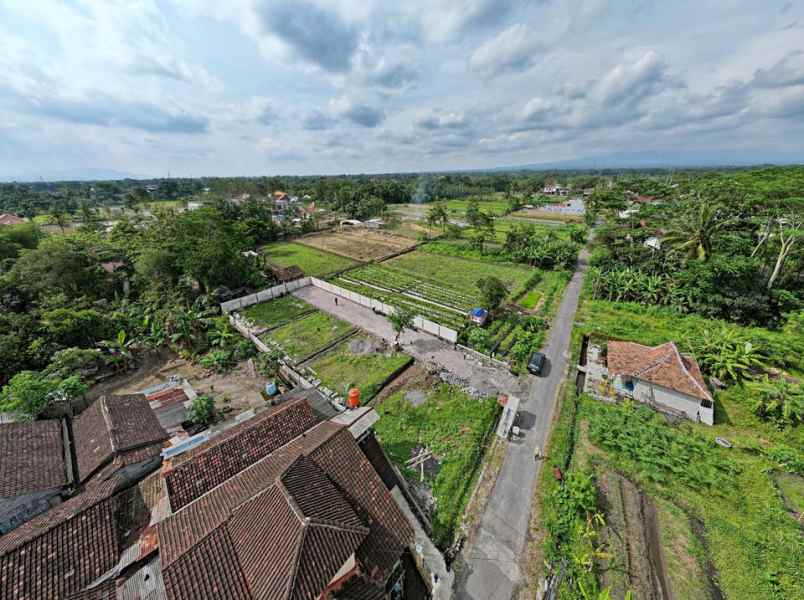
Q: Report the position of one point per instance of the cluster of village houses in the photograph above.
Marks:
(118, 502)
(297, 500)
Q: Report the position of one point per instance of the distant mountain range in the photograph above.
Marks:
(670, 159)
(73, 175)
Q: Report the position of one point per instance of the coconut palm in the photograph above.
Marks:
(695, 229)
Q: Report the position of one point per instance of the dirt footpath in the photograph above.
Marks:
(467, 370)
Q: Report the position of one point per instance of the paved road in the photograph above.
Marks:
(493, 563)
(485, 377)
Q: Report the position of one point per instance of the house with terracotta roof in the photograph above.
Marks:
(300, 482)
(659, 376)
(45, 462)
(287, 504)
(9, 219)
(34, 469)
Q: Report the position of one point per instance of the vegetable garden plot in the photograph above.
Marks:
(395, 280)
(460, 273)
(306, 336)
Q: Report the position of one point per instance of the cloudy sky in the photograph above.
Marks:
(248, 87)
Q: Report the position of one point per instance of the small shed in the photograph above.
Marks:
(479, 316)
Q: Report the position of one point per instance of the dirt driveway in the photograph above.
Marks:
(486, 378)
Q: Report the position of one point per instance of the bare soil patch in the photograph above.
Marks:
(633, 538)
(236, 391)
(359, 244)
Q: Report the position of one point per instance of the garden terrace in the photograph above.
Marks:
(312, 261)
(304, 337)
(454, 427)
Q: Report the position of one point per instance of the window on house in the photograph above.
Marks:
(629, 385)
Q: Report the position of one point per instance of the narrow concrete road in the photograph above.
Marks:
(493, 560)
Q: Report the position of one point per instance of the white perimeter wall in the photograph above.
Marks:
(277, 291)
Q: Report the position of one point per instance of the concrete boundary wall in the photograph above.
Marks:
(445, 333)
(264, 295)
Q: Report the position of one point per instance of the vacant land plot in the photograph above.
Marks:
(359, 244)
(460, 273)
(306, 336)
(450, 424)
(277, 312)
(363, 362)
(312, 261)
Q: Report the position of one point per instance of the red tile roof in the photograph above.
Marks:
(63, 550)
(335, 485)
(312, 532)
(31, 457)
(224, 456)
(9, 219)
(111, 427)
(662, 365)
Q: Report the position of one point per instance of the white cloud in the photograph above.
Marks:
(514, 49)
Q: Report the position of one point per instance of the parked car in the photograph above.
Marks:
(536, 363)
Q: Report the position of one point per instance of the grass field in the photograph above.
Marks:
(454, 427)
(305, 336)
(276, 312)
(354, 363)
(312, 261)
(460, 273)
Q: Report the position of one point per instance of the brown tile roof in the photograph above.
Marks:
(9, 219)
(334, 462)
(31, 457)
(358, 587)
(662, 365)
(63, 550)
(313, 532)
(351, 472)
(238, 448)
(111, 427)
(105, 591)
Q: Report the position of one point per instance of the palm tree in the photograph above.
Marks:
(696, 227)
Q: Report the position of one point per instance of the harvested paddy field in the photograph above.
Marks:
(312, 261)
(359, 244)
(364, 362)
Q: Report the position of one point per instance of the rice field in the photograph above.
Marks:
(312, 261)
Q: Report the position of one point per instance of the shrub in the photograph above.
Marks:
(778, 401)
(202, 410)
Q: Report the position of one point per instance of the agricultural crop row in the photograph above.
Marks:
(400, 281)
(431, 312)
